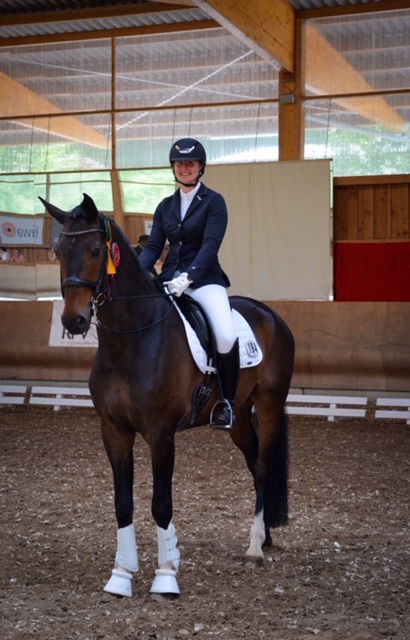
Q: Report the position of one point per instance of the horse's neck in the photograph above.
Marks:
(130, 277)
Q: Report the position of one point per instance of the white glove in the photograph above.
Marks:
(178, 285)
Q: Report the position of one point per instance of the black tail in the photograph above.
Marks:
(276, 488)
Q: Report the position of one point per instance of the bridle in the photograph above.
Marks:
(96, 287)
(101, 289)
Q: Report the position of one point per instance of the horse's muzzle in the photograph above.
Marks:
(76, 324)
(77, 313)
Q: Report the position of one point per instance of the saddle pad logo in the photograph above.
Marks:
(252, 348)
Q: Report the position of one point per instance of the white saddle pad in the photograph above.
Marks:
(249, 351)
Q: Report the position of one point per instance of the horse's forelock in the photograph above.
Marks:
(76, 213)
(80, 213)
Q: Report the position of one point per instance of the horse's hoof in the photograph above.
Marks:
(163, 597)
(165, 582)
(120, 583)
(254, 561)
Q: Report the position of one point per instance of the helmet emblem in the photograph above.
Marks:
(184, 150)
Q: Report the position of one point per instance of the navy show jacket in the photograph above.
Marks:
(193, 242)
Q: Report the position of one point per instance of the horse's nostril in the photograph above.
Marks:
(77, 324)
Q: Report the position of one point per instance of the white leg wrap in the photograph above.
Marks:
(257, 536)
(127, 555)
(168, 551)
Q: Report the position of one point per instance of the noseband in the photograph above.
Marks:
(81, 282)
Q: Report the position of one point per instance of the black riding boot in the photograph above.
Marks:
(228, 372)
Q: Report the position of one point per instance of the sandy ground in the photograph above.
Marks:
(340, 570)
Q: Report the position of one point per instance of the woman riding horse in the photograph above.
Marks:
(143, 381)
(194, 221)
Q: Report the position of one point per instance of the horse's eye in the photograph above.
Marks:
(96, 252)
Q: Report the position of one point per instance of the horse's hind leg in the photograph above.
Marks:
(246, 439)
(271, 480)
(266, 453)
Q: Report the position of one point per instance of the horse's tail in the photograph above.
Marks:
(276, 489)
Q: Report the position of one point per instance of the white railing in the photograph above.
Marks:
(329, 406)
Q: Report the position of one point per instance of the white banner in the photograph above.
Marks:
(21, 230)
(59, 337)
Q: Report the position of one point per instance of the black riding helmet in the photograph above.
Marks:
(188, 149)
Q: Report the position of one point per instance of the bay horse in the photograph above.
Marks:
(143, 379)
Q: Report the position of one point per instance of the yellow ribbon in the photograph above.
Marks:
(111, 268)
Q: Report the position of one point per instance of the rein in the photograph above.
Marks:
(137, 329)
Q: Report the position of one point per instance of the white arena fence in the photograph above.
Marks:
(332, 407)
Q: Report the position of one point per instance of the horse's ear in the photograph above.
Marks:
(54, 211)
(89, 207)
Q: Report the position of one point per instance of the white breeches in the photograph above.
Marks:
(214, 300)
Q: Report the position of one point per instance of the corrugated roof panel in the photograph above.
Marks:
(302, 5)
(97, 24)
(14, 7)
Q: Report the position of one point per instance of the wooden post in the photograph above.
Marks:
(117, 199)
(291, 110)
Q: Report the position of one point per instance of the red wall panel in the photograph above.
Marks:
(372, 271)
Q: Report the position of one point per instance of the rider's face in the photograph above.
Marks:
(187, 170)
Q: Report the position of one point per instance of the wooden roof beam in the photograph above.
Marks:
(17, 100)
(328, 72)
(271, 25)
(267, 27)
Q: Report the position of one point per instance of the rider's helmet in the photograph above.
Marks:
(188, 149)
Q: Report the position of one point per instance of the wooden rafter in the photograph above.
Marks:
(265, 25)
(271, 25)
(18, 100)
(117, 32)
(327, 72)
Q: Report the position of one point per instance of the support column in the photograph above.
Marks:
(117, 199)
(291, 109)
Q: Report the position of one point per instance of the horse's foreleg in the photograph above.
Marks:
(119, 450)
(165, 581)
(126, 560)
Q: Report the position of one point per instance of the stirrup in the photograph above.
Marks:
(226, 408)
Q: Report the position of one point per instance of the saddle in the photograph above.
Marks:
(204, 352)
(195, 315)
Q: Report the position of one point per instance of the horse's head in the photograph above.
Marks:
(82, 252)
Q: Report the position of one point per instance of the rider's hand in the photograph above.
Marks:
(178, 285)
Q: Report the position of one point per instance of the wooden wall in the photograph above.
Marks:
(134, 226)
(371, 208)
(352, 346)
(371, 247)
